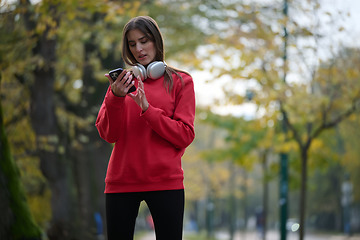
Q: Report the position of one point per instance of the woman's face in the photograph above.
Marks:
(142, 48)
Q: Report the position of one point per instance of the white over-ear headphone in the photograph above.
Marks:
(154, 70)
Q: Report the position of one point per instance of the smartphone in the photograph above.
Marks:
(115, 73)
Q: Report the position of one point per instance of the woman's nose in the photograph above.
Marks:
(138, 47)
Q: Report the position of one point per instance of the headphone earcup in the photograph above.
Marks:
(139, 72)
(155, 70)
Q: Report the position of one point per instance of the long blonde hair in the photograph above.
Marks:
(150, 28)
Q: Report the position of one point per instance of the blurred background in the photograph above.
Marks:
(277, 83)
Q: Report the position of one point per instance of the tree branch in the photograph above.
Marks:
(296, 134)
(337, 120)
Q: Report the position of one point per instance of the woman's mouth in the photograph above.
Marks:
(142, 57)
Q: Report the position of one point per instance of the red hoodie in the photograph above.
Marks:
(148, 146)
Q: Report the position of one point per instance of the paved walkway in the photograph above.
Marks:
(271, 235)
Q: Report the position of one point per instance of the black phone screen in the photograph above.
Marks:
(115, 73)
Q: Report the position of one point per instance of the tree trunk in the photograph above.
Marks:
(245, 202)
(303, 191)
(266, 193)
(52, 158)
(52, 161)
(16, 221)
(232, 204)
(52, 154)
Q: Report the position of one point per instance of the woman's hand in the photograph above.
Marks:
(122, 84)
(140, 97)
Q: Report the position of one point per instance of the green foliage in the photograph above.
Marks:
(23, 225)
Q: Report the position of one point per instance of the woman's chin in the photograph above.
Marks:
(145, 61)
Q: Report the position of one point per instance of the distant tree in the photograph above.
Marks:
(247, 143)
(350, 136)
(317, 94)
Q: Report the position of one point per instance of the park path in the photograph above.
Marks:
(271, 235)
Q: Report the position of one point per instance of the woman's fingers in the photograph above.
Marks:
(141, 84)
(123, 77)
(108, 77)
(128, 84)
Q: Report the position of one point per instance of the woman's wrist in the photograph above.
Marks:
(145, 108)
(117, 95)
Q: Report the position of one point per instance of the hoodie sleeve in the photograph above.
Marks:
(108, 122)
(178, 130)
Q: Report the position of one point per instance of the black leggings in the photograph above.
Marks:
(166, 207)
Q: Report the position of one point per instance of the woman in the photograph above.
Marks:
(151, 129)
